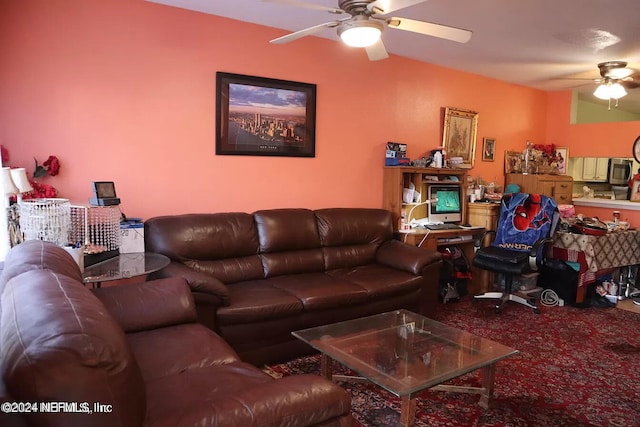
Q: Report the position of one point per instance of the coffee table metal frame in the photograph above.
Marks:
(406, 353)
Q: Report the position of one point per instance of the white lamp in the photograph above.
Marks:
(8, 188)
(360, 32)
(19, 178)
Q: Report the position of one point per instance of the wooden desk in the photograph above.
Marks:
(433, 239)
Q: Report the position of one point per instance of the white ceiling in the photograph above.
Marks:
(543, 44)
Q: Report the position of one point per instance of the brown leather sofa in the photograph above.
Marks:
(258, 277)
(136, 350)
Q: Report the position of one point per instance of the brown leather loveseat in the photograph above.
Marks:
(258, 277)
(134, 355)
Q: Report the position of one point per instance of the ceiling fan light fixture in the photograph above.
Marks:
(360, 32)
(602, 92)
(610, 90)
(617, 91)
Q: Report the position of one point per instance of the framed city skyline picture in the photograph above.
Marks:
(258, 116)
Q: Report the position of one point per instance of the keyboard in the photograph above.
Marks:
(444, 226)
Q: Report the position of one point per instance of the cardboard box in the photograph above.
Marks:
(131, 237)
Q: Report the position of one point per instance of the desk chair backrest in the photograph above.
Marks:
(524, 220)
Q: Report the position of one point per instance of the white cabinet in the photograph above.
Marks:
(589, 169)
(575, 167)
(594, 169)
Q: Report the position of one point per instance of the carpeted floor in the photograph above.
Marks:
(576, 367)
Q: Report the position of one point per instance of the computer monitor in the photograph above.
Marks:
(448, 203)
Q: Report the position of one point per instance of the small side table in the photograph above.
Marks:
(124, 266)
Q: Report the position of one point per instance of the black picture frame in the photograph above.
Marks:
(259, 116)
(104, 189)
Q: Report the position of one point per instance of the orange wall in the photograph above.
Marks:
(590, 139)
(595, 140)
(124, 90)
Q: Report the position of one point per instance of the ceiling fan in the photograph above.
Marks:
(615, 78)
(365, 24)
(617, 72)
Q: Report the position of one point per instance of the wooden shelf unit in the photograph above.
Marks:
(396, 178)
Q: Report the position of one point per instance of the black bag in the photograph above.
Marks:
(454, 274)
(561, 278)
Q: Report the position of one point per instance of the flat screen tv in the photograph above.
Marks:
(448, 203)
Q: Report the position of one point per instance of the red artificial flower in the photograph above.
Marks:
(5, 155)
(53, 165)
(50, 167)
(41, 191)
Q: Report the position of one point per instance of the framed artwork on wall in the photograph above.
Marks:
(635, 191)
(512, 162)
(258, 116)
(488, 149)
(562, 159)
(459, 135)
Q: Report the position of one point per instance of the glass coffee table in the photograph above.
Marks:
(406, 353)
(124, 266)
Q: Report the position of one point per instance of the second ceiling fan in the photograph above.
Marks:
(366, 23)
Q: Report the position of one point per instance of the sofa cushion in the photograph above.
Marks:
(240, 395)
(159, 356)
(257, 300)
(286, 230)
(230, 270)
(353, 226)
(224, 245)
(289, 241)
(59, 344)
(319, 291)
(351, 236)
(302, 261)
(141, 312)
(379, 280)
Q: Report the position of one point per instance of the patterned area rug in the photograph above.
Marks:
(576, 367)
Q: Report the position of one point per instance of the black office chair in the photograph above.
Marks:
(526, 224)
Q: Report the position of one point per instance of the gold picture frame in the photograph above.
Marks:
(459, 135)
(512, 162)
(488, 149)
(562, 155)
(635, 191)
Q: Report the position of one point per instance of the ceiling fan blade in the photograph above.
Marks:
(302, 33)
(298, 3)
(630, 84)
(377, 51)
(387, 6)
(427, 28)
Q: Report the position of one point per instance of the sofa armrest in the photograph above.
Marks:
(297, 399)
(402, 256)
(149, 305)
(198, 282)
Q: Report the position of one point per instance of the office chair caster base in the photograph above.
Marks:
(504, 297)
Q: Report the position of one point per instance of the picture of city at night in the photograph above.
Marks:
(265, 117)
